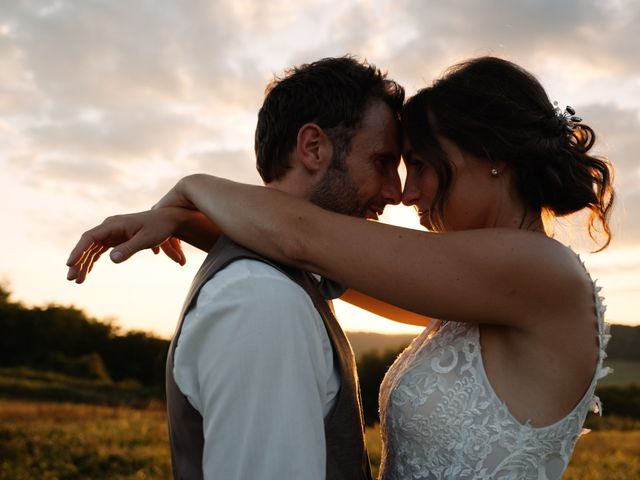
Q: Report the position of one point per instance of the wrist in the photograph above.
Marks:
(180, 191)
(180, 219)
(194, 228)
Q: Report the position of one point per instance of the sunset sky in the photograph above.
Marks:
(104, 105)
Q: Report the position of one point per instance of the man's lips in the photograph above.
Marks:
(373, 213)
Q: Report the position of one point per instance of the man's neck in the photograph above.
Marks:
(287, 185)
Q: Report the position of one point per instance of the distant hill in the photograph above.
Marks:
(624, 343)
(365, 342)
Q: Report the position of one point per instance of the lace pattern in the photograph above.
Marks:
(441, 419)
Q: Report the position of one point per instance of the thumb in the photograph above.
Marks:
(124, 251)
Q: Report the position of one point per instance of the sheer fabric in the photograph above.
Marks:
(441, 419)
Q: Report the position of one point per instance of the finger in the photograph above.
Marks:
(177, 246)
(171, 252)
(156, 250)
(72, 273)
(74, 269)
(126, 250)
(91, 258)
(87, 252)
(95, 235)
(77, 251)
(95, 258)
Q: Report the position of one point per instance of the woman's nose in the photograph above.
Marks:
(410, 194)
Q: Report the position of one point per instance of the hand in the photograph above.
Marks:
(128, 234)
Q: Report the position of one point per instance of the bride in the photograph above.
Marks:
(499, 386)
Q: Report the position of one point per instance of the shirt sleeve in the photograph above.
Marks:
(259, 374)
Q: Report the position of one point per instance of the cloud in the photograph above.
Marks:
(236, 165)
(131, 134)
(617, 138)
(625, 218)
(594, 32)
(69, 169)
(105, 104)
(141, 72)
(80, 52)
(132, 93)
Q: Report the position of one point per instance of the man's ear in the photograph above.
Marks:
(314, 149)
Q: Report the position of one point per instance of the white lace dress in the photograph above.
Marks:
(441, 419)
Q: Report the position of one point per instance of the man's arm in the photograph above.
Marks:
(384, 309)
(254, 359)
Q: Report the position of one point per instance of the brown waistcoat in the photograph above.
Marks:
(347, 457)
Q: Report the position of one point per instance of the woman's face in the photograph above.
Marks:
(474, 194)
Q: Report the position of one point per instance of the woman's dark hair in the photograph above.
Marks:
(333, 93)
(496, 110)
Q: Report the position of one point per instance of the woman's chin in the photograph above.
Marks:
(426, 222)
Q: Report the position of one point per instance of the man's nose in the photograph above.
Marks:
(392, 189)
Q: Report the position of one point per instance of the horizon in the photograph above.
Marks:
(120, 329)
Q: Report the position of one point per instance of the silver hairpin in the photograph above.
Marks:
(567, 116)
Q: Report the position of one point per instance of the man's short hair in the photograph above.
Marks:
(333, 93)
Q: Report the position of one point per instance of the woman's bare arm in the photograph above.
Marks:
(474, 276)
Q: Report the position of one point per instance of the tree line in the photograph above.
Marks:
(64, 339)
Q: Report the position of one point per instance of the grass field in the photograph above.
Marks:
(62, 441)
(624, 373)
(26, 383)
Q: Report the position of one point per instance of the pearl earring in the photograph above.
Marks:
(494, 172)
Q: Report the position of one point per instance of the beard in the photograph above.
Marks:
(338, 193)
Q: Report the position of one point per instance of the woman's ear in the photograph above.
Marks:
(314, 149)
(498, 168)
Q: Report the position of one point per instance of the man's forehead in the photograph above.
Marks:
(378, 113)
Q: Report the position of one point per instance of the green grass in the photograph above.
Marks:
(64, 441)
(118, 431)
(61, 441)
(28, 384)
(606, 454)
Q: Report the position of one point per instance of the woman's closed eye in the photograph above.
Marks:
(414, 163)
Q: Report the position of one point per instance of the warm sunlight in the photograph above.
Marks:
(115, 135)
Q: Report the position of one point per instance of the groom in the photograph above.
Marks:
(261, 380)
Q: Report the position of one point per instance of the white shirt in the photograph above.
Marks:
(254, 359)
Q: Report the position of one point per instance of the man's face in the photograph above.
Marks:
(367, 178)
